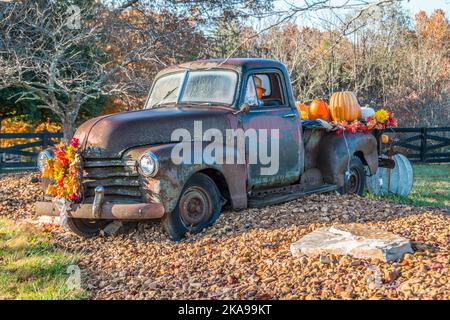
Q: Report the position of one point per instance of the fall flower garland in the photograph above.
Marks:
(64, 172)
(380, 120)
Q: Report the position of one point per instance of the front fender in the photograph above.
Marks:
(334, 155)
(166, 186)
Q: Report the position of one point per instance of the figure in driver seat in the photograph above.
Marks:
(259, 88)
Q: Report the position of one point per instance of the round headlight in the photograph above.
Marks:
(42, 158)
(149, 164)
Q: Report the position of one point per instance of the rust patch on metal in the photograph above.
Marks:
(311, 141)
(333, 154)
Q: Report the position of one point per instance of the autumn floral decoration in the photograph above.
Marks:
(380, 120)
(351, 127)
(64, 171)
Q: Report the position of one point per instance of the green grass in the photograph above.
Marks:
(31, 267)
(431, 187)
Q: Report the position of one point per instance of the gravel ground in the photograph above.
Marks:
(245, 255)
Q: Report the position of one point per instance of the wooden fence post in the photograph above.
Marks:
(44, 139)
(423, 145)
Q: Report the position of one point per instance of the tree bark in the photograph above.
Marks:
(68, 123)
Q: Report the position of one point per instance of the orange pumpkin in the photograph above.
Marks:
(303, 111)
(344, 106)
(319, 110)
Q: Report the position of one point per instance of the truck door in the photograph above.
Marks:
(271, 112)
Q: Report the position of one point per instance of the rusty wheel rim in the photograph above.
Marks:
(353, 181)
(195, 206)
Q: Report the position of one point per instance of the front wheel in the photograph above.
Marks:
(198, 207)
(86, 228)
(354, 178)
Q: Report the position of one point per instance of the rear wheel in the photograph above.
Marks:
(354, 178)
(199, 206)
(86, 228)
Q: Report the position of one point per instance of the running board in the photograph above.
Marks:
(279, 195)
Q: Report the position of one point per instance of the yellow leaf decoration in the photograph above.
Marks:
(64, 172)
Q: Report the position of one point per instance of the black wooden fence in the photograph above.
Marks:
(23, 155)
(422, 145)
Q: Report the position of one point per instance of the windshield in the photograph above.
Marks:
(166, 89)
(213, 86)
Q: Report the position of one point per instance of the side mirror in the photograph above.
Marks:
(245, 107)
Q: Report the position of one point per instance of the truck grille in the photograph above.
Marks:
(119, 178)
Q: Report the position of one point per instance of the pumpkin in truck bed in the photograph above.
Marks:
(344, 106)
(319, 110)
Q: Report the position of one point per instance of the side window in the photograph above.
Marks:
(269, 89)
(263, 81)
(250, 93)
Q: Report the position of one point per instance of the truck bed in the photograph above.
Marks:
(311, 141)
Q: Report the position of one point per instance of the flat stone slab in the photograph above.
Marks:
(354, 239)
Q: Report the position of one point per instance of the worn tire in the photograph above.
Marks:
(357, 180)
(198, 207)
(86, 228)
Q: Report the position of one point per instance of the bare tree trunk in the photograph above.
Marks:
(68, 123)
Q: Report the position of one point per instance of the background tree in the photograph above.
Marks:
(387, 58)
(107, 64)
(10, 109)
(115, 49)
(57, 65)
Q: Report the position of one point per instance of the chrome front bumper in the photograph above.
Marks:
(108, 211)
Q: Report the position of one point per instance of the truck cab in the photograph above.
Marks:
(212, 134)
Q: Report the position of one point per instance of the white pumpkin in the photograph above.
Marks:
(367, 112)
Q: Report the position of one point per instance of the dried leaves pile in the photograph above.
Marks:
(246, 254)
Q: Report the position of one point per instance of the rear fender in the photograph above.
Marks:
(334, 155)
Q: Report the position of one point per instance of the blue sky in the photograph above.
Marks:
(413, 5)
(428, 5)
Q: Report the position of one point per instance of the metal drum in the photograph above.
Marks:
(399, 179)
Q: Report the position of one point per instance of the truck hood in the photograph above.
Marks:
(110, 136)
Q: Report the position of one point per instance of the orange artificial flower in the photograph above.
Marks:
(64, 172)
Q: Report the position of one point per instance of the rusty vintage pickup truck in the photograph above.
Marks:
(129, 170)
